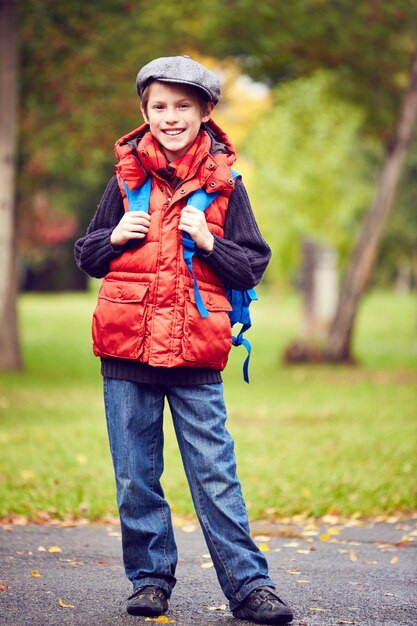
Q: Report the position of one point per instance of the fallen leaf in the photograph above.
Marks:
(263, 547)
(302, 581)
(54, 549)
(41, 549)
(64, 605)
(303, 551)
(352, 555)
(262, 538)
(389, 594)
(334, 532)
(27, 474)
(292, 544)
(3, 587)
(293, 571)
(162, 619)
(114, 533)
(102, 563)
(189, 528)
(342, 621)
(394, 560)
(325, 537)
(222, 607)
(316, 609)
(36, 574)
(207, 565)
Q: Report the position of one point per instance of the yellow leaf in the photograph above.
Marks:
(54, 549)
(316, 609)
(162, 619)
(303, 551)
(302, 581)
(36, 574)
(207, 565)
(293, 571)
(27, 474)
(334, 531)
(64, 605)
(222, 607)
(352, 555)
(394, 560)
(263, 547)
(325, 537)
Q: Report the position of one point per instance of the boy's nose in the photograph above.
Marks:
(171, 116)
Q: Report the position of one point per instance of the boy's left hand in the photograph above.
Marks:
(193, 222)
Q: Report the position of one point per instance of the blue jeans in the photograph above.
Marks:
(134, 419)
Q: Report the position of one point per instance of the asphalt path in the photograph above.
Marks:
(331, 574)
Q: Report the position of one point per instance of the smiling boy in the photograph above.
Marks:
(154, 345)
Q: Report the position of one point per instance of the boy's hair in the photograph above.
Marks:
(190, 90)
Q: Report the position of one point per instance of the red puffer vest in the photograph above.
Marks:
(146, 306)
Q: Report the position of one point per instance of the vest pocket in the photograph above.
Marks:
(207, 340)
(119, 319)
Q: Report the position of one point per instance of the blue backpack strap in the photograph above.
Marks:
(200, 200)
(138, 198)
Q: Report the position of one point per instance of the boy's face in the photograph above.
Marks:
(174, 117)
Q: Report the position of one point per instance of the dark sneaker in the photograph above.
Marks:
(263, 606)
(150, 601)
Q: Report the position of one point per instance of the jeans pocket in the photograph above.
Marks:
(119, 319)
(207, 340)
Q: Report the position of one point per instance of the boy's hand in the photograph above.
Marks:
(133, 225)
(193, 222)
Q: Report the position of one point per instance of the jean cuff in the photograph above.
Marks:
(247, 589)
(157, 582)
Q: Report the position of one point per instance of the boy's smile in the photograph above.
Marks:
(174, 116)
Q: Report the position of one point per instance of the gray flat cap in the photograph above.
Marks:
(179, 69)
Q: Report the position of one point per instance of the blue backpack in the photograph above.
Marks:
(138, 200)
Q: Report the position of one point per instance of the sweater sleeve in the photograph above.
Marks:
(94, 251)
(241, 258)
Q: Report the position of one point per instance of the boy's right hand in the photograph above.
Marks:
(133, 225)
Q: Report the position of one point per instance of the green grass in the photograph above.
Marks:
(308, 439)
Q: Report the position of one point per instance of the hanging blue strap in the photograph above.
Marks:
(240, 314)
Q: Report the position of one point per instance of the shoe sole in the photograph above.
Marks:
(247, 614)
(145, 611)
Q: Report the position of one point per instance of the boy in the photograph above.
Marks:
(154, 344)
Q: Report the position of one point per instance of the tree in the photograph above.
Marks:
(338, 346)
(9, 344)
(370, 44)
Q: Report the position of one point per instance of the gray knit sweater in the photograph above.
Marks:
(239, 260)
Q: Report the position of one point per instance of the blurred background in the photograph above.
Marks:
(320, 100)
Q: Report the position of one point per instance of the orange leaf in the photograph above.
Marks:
(162, 619)
(3, 587)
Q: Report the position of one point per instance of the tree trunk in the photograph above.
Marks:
(338, 348)
(9, 344)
